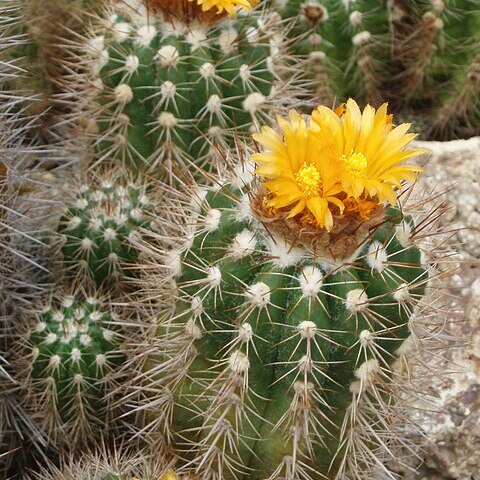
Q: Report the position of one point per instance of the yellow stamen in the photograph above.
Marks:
(356, 164)
(309, 180)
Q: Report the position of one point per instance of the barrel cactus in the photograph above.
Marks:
(99, 228)
(293, 303)
(71, 360)
(174, 85)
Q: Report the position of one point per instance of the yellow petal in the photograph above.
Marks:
(352, 123)
(319, 207)
(298, 208)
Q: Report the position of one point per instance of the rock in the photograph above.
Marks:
(450, 422)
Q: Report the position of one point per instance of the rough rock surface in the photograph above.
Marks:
(452, 426)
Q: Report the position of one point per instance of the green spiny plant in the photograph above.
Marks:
(285, 348)
(440, 58)
(346, 45)
(71, 359)
(421, 56)
(35, 40)
(175, 87)
(109, 464)
(99, 228)
(21, 279)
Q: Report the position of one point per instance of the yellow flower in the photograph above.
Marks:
(370, 152)
(302, 172)
(170, 475)
(230, 6)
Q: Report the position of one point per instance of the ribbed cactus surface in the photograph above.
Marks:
(422, 57)
(174, 90)
(346, 44)
(278, 358)
(99, 228)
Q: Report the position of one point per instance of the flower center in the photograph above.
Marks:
(309, 180)
(356, 164)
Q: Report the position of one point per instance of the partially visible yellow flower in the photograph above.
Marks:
(229, 6)
(370, 152)
(170, 475)
(302, 173)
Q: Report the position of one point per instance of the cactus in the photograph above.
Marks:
(39, 35)
(108, 464)
(294, 300)
(174, 90)
(422, 57)
(98, 230)
(346, 44)
(71, 360)
(440, 54)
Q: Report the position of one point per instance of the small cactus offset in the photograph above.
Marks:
(98, 230)
(71, 359)
(178, 83)
(294, 301)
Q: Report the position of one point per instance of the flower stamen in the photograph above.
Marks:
(309, 180)
(356, 164)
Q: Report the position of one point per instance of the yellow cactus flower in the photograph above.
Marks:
(334, 161)
(302, 173)
(370, 152)
(229, 6)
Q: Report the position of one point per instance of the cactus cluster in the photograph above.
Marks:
(241, 321)
(173, 92)
(97, 231)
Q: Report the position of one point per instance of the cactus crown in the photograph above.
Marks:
(74, 349)
(341, 161)
(100, 227)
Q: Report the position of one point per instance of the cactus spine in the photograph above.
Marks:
(108, 464)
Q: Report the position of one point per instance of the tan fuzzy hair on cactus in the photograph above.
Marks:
(203, 10)
(294, 356)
